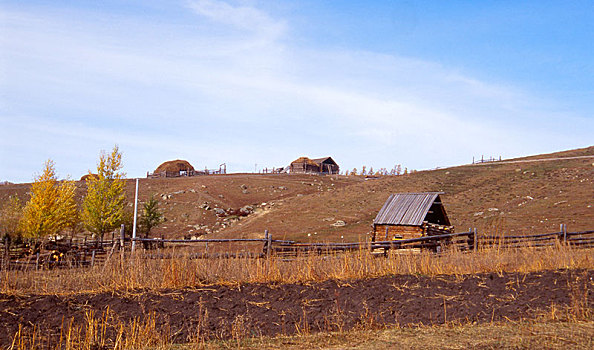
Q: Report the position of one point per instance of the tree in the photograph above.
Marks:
(10, 218)
(151, 216)
(103, 206)
(51, 207)
(354, 172)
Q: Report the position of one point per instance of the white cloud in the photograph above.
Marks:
(245, 18)
(244, 97)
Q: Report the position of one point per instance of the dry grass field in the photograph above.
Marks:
(140, 301)
(491, 298)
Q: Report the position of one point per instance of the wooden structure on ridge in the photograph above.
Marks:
(411, 215)
(305, 165)
(178, 168)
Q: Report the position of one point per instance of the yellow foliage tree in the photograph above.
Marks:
(103, 206)
(51, 207)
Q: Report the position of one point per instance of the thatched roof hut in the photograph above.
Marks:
(304, 165)
(173, 166)
(87, 176)
(325, 165)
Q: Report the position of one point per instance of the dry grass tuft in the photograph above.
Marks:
(97, 333)
(139, 271)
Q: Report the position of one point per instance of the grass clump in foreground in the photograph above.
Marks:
(141, 271)
(513, 335)
(560, 329)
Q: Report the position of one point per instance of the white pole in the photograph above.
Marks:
(135, 215)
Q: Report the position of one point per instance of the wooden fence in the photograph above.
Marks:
(463, 241)
(89, 253)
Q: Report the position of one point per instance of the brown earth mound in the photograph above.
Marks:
(269, 309)
(86, 176)
(174, 166)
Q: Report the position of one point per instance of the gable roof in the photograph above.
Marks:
(324, 160)
(406, 208)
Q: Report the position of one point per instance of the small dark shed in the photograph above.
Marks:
(410, 215)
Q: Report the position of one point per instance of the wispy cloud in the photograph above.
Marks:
(242, 17)
(246, 96)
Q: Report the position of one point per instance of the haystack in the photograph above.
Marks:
(175, 166)
(86, 176)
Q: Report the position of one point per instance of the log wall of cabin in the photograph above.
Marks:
(304, 168)
(379, 231)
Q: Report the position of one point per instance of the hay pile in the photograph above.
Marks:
(175, 166)
(86, 176)
(305, 160)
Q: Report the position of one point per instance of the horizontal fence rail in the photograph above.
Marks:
(90, 252)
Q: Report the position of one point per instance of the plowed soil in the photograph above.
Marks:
(269, 309)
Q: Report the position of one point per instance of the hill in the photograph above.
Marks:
(528, 197)
(525, 195)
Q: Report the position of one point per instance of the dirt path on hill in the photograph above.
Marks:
(269, 309)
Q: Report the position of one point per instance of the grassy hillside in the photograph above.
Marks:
(511, 197)
(515, 198)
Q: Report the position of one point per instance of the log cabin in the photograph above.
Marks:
(305, 165)
(411, 215)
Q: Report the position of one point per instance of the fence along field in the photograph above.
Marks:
(120, 275)
(88, 253)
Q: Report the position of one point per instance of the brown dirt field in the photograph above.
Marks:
(270, 309)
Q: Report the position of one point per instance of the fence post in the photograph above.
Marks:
(268, 242)
(385, 239)
(475, 238)
(37, 262)
(564, 230)
(93, 259)
(122, 238)
(268, 237)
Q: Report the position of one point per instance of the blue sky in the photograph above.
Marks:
(417, 83)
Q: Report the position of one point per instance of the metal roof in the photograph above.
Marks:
(406, 208)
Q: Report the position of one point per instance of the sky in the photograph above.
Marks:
(257, 84)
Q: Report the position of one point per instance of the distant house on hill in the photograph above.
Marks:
(411, 215)
(306, 165)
